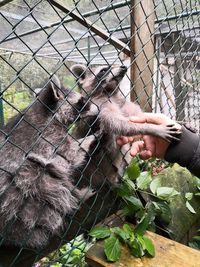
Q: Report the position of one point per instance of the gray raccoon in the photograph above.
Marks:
(37, 161)
(101, 86)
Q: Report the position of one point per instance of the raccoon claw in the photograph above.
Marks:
(172, 133)
(85, 193)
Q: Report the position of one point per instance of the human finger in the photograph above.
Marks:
(122, 140)
(136, 148)
(146, 154)
(158, 118)
(154, 118)
(157, 146)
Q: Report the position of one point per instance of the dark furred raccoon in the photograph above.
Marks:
(101, 86)
(37, 162)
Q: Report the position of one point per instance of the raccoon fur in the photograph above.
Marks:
(101, 86)
(37, 159)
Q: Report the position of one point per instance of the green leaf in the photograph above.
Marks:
(128, 230)
(197, 182)
(150, 212)
(123, 190)
(195, 245)
(166, 192)
(149, 246)
(56, 264)
(154, 185)
(137, 204)
(136, 248)
(196, 238)
(100, 232)
(133, 170)
(163, 212)
(191, 209)
(112, 248)
(188, 196)
(144, 180)
(142, 242)
(197, 194)
(123, 235)
(65, 248)
(130, 184)
(142, 226)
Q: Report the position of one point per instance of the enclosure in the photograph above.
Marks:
(159, 43)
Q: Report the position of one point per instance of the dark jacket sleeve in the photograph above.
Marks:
(186, 152)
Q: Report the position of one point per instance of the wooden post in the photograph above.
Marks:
(142, 50)
(180, 91)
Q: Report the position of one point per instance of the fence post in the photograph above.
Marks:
(142, 50)
(180, 91)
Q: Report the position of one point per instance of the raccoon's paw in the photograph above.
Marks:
(85, 193)
(170, 132)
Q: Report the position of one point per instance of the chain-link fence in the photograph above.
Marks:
(58, 166)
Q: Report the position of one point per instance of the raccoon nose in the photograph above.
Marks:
(123, 68)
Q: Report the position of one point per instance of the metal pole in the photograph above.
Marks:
(88, 49)
(1, 110)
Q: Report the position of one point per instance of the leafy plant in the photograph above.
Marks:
(195, 243)
(70, 254)
(137, 243)
(135, 183)
(189, 196)
(15, 100)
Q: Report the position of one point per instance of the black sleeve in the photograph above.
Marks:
(186, 152)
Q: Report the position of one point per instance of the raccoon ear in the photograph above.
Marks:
(55, 87)
(79, 71)
(52, 93)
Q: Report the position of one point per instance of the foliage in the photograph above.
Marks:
(70, 254)
(190, 195)
(138, 244)
(17, 99)
(18, 87)
(195, 243)
(134, 182)
(69, 82)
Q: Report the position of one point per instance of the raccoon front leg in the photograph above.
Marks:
(112, 120)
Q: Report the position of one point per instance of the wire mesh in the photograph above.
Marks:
(39, 40)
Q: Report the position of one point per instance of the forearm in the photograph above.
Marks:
(186, 152)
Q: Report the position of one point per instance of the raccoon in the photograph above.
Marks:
(37, 159)
(101, 86)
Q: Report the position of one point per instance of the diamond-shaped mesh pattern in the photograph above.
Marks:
(158, 42)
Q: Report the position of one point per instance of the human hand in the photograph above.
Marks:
(149, 146)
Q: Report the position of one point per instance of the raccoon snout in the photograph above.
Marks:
(124, 68)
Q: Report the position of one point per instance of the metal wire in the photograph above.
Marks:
(39, 40)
